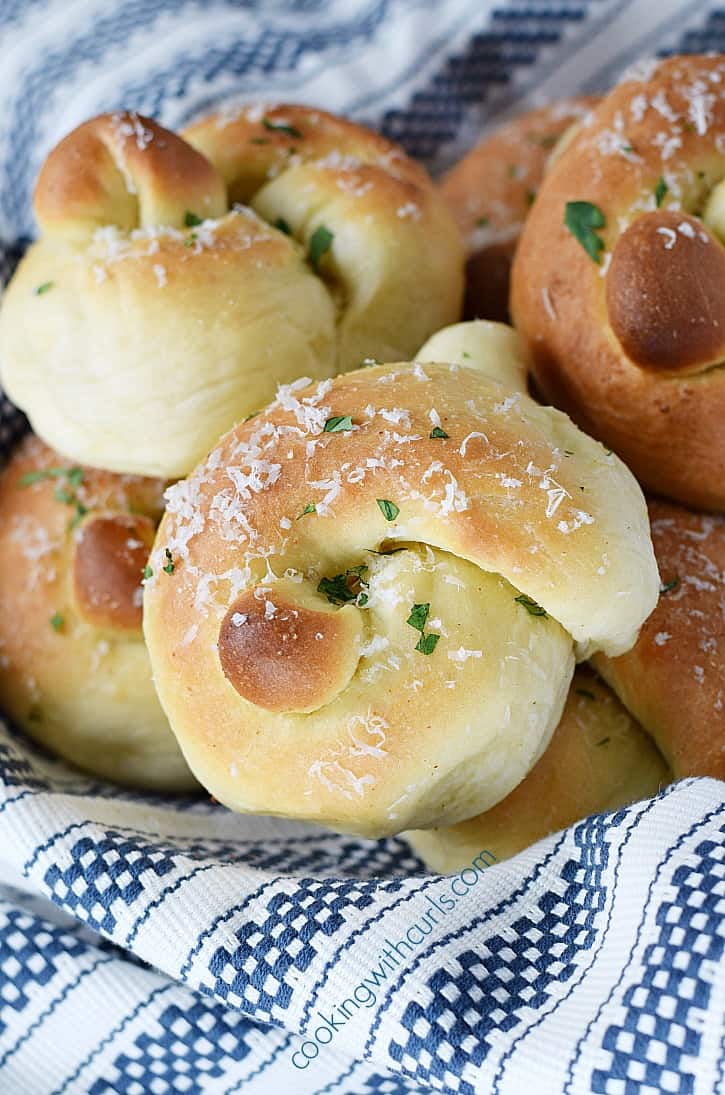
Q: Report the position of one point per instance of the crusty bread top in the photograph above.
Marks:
(673, 680)
(625, 315)
(126, 170)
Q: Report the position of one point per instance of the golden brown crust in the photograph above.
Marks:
(149, 316)
(74, 672)
(490, 191)
(598, 759)
(251, 145)
(673, 680)
(124, 169)
(110, 555)
(481, 493)
(651, 143)
(680, 327)
(282, 655)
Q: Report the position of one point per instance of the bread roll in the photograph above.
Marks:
(154, 312)
(74, 672)
(673, 680)
(619, 279)
(490, 191)
(598, 759)
(379, 586)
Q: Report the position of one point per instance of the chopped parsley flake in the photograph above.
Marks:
(530, 605)
(73, 475)
(281, 127)
(62, 494)
(438, 432)
(547, 141)
(417, 620)
(190, 240)
(344, 588)
(483, 222)
(283, 226)
(79, 514)
(148, 572)
(388, 509)
(418, 616)
(586, 693)
(57, 621)
(320, 242)
(667, 587)
(190, 219)
(626, 149)
(169, 568)
(40, 289)
(427, 643)
(309, 508)
(604, 741)
(530, 196)
(513, 171)
(259, 140)
(582, 218)
(339, 423)
(660, 191)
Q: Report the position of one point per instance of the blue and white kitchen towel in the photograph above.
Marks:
(162, 945)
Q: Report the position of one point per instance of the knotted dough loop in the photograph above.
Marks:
(618, 284)
(125, 170)
(379, 587)
(74, 670)
(154, 312)
(394, 264)
(598, 759)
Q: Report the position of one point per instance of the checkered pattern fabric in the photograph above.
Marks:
(160, 945)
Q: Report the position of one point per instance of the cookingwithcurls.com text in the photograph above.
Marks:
(393, 955)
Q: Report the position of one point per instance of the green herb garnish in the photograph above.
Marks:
(190, 240)
(73, 475)
(438, 432)
(169, 568)
(388, 509)
(417, 620)
(530, 195)
(282, 226)
(338, 424)
(309, 508)
(418, 616)
(343, 588)
(427, 643)
(57, 621)
(40, 289)
(79, 514)
(148, 572)
(320, 242)
(586, 693)
(530, 605)
(190, 219)
(660, 191)
(61, 494)
(483, 222)
(604, 741)
(582, 218)
(667, 587)
(281, 127)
